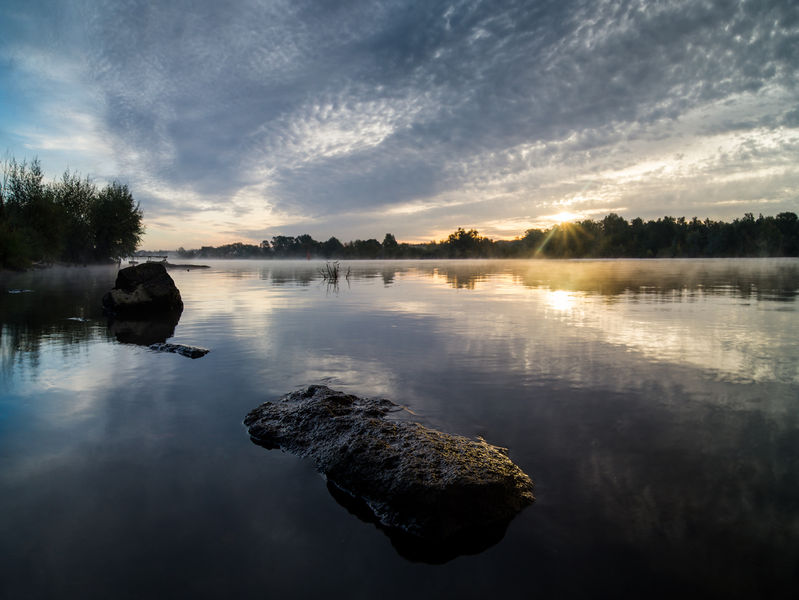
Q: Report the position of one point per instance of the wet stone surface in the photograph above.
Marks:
(182, 349)
(427, 489)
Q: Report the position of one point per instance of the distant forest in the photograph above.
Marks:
(70, 220)
(612, 237)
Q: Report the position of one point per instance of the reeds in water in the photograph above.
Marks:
(332, 271)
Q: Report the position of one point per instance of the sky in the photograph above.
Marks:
(239, 121)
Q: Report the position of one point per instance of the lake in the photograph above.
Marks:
(654, 403)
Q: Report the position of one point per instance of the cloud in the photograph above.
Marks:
(374, 116)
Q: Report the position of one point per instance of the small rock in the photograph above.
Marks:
(190, 351)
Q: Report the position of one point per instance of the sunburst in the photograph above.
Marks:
(565, 217)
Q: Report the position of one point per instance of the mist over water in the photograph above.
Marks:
(653, 403)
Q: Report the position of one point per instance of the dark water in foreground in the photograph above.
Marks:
(654, 403)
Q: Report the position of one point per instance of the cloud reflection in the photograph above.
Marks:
(706, 314)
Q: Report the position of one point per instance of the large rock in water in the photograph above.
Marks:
(143, 290)
(429, 485)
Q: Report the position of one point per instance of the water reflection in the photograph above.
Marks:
(761, 279)
(773, 280)
(413, 548)
(561, 300)
(624, 303)
(144, 332)
(62, 310)
(654, 403)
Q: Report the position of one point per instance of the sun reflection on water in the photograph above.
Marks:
(561, 300)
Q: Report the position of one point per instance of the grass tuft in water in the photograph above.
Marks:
(332, 271)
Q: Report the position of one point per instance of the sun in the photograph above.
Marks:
(565, 217)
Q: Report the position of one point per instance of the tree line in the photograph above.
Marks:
(68, 220)
(611, 237)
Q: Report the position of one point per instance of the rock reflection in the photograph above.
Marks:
(144, 332)
(415, 549)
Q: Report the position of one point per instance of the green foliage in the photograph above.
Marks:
(368, 249)
(115, 222)
(30, 211)
(284, 246)
(13, 252)
(614, 237)
(67, 220)
(390, 246)
(332, 247)
(462, 243)
(77, 197)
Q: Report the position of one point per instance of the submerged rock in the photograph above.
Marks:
(190, 351)
(427, 486)
(143, 290)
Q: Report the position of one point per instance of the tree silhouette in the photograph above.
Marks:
(67, 220)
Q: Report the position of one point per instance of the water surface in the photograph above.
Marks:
(654, 404)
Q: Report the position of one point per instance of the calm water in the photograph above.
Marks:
(654, 403)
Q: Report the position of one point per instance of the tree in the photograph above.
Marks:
(390, 246)
(30, 211)
(12, 247)
(116, 223)
(464, 243)
(3, 189)
(76, 196)
(332, 248)
(788, 224)
(615, 235)
(283, 245)
(369, 249)
(66, 220)
(306, 245)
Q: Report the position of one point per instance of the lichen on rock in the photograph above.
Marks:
(426, 483)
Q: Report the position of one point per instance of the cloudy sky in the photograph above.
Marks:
(237, 121)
